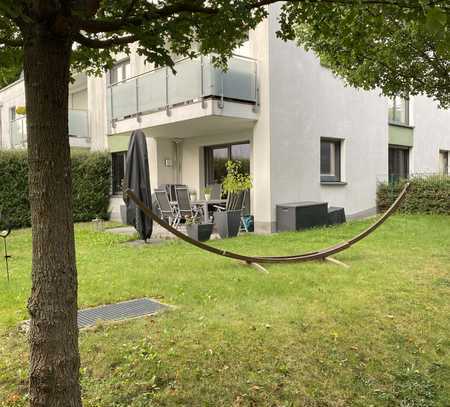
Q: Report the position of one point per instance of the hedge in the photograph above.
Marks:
(91, 174)
(429, 195)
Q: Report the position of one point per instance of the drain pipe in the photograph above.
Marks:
(178, 159)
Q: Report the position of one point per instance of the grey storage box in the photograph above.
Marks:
(301, 215)
(336, 215)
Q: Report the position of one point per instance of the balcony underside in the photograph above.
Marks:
(193, 119)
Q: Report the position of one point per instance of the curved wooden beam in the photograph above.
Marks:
(309, 256)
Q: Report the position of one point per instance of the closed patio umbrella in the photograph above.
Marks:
(137, 178)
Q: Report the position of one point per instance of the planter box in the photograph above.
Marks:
(336, 215)
(228, 223)
(201, 231)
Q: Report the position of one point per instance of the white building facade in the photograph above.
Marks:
(301, 134)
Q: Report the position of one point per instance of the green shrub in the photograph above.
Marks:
(14, 188)
(91, 174)
(426, 195)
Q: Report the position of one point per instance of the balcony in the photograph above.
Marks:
(78, 130)
(196, 80)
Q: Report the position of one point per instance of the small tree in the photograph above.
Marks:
(235, 180)
(52, 37)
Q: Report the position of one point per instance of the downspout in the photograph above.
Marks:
(178, 159)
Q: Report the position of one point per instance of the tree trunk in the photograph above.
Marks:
(54, 359)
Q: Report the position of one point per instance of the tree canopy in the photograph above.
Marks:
(401, 47)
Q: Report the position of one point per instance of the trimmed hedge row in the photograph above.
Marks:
(91, 174)
(426, 195)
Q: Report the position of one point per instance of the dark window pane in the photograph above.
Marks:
(216, 158)
(398, 163)
(325, 157)
(241, 152)
(118, 171)
(330, 162)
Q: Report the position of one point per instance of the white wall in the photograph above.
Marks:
(306, 103)
(431, 134)
(10, 96)
(261, 149)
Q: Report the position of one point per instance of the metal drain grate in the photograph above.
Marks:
(119, 311)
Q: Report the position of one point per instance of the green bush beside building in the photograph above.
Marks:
(91, 174)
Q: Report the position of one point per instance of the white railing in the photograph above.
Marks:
(78, 127)
(195, 79)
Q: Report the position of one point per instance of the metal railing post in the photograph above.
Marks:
(202, 81)
(113, 120)
(221, 103)
(256, 106)
(167, 92)
(138, 112)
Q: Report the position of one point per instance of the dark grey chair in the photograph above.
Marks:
(216, 191)
(184, 207)
(235, 202)
(165, 208)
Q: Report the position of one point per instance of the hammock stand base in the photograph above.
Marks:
(336, 262)
(256, 261)
(257, 266)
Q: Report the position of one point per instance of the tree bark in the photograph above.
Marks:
(54, 353)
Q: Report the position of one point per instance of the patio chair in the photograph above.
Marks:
(165, 208)
(235, 202)
(184, 207)
(216, 191)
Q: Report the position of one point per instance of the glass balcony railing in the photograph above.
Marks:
(78, 123)
(195, 79)
(78, 127)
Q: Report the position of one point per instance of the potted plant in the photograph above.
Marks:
(228, 222)
(198, 231)
(208, 190)
(193, 195)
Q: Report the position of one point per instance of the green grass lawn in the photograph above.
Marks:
(313, 334)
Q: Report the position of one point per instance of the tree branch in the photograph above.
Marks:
(152, 14)
(99, 44)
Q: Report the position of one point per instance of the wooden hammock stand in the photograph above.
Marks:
(323, 254)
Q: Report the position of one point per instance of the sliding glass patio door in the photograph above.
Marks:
(216, 158)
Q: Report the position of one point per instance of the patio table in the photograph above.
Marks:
(204, 204)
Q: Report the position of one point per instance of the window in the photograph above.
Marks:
(217, 156)
(399, 111)
(120, 71)
(443, 162)
(398, 163)
(118, 170)
(12, 114)
(330, 160)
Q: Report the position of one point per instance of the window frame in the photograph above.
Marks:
(119, 65)
(115, 183)
(337, 177)
(444, 158)
(407, 163)
(207, 165)
(394, 120)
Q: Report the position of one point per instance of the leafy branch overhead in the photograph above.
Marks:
(400, 46)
